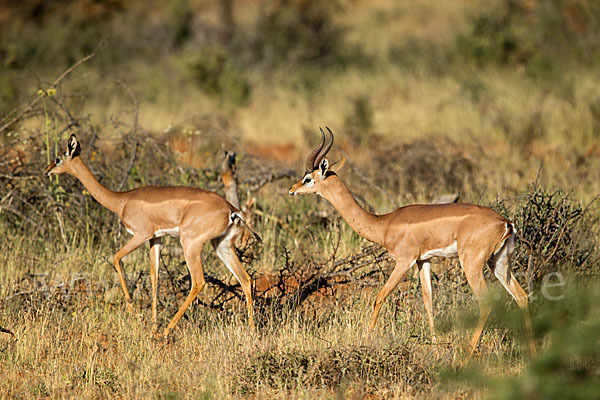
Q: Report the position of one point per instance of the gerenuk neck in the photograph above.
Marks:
(109, 199)
(363, 222)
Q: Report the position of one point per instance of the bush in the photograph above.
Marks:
(568, 367)
(9, 93)
(59, 41)
(179, 21)
(553, 233)
(491, 40)
(294, 31)
(539, 35)
(216, 73)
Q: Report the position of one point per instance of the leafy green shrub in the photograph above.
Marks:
(216, 73)
(541, 35)
(179, 22)
(297, 31)
(59, 42)
(8, 94)
(568, 365)
(491, 39)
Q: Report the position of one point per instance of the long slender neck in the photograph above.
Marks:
(367, 225)
(109, 199)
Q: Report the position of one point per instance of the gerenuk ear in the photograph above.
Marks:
(335, 167)
(323, 167)
(73, 147)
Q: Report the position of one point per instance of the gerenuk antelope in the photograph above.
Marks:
(416, 233)
(195, 215)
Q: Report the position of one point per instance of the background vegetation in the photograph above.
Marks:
(494, 101)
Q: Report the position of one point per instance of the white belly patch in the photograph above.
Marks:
(164, 232)
(446, 252)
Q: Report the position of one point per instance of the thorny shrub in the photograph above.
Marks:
(553, 231)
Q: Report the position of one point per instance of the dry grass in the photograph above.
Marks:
(74, 338)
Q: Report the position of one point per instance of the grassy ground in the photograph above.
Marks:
(424, 100)
(75, 339)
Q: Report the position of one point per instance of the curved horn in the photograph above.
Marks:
(310, 160)
(325, 149)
